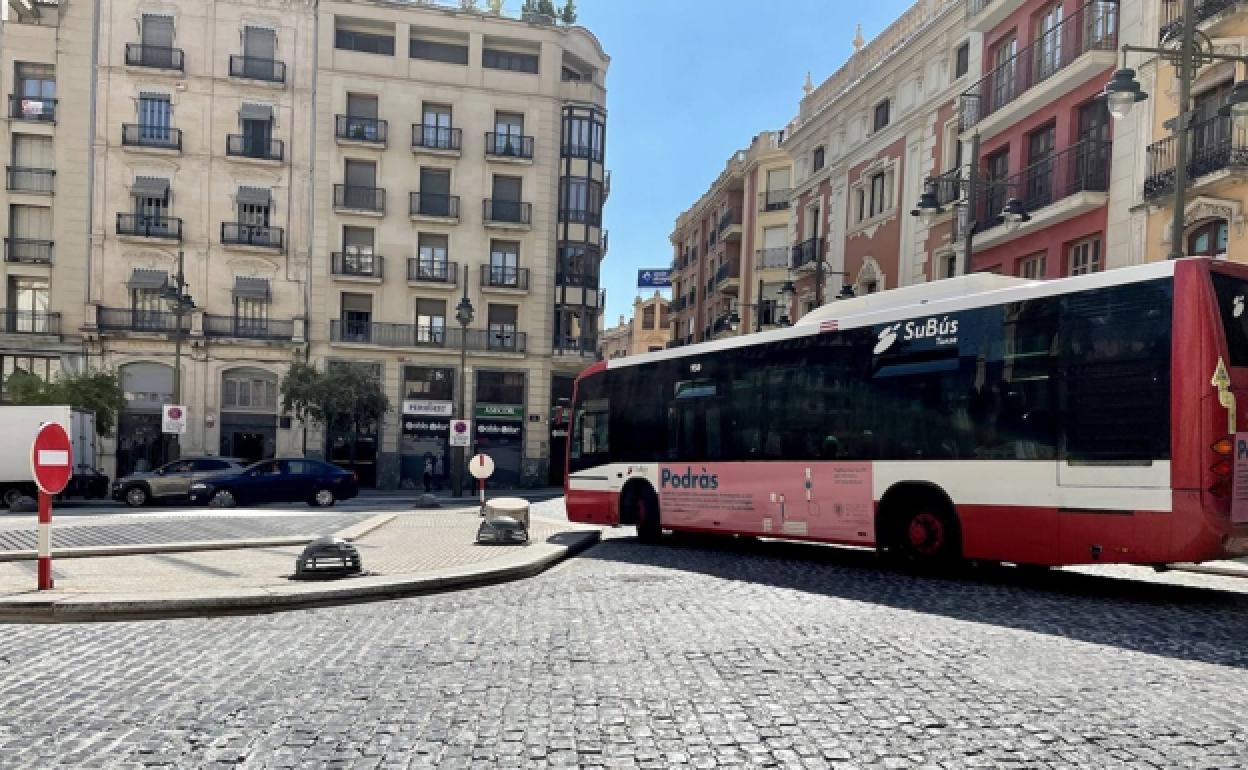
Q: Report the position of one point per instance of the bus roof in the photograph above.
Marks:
(948, 295)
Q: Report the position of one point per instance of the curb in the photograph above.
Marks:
(1211, 569)
(36, 608)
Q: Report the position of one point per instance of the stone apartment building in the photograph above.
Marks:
(647, 331)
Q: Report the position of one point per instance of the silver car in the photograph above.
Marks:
(171, 481)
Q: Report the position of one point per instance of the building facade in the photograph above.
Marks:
(458, 155)
(647, 331)
(864, 143)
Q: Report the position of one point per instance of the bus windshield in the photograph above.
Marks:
(1232, 293)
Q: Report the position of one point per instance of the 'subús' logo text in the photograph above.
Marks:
(942, 331)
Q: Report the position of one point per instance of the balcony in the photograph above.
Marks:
(983, 15)
(359, 199)
(581, 216)
(507, 214)
(157, 57)
(1060, 187)
(807, 252)
(1208, 13)
(431, 271)
(774, 200)
(434, 206)
(152, 137)
(390, 335)
(356, 130)
(774, 258)
(36, 181)
(228, 326)
(575, 346)
(37, 109)
(110, 319)
(585, 279)
(508, 147)
(729, 225)
(676, 305)
(29, 322)
(947, 186)
(256, 236)
(149, 226)
(356, 265)
(255, 148)
(30, 251)
(728, 276)
(252, 68)
(502, 277)
(580, 149)
(1217, 148)
(1081, 47)
(437, 140)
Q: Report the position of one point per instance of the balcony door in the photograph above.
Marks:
(361, 182)
(155, 117)
(157, 37)
(362, 117)
(1092, 160)
(997, 167)
(1005, 73)
(431, 264)
(504, 263)
(357, 317)
(506, 195)
(1048, 44)
(260, 48)
(436, 129)
(357, 251)
(508, 128)
(1039, 180)
(502, 325)
(28, 305)
(435, 192)
(431, 321)
(1210, 133)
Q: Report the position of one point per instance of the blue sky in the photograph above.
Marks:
(691, 81)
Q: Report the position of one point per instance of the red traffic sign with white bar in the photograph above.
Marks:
(52, 458)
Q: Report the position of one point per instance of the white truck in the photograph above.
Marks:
(18, 425)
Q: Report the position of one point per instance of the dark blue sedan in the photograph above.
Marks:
(277, 481)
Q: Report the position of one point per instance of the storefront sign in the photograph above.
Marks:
(499, 411)
(423, 426)
(413, 406)
(500, 429)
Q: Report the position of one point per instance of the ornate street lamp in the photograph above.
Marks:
(182, 303)
(463, 314)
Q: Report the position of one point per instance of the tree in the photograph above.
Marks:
(94, 391)
(343, 398)
(468, 5)
(546, 8)
(568, 13)
(496, 7)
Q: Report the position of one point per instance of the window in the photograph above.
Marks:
(647, 317)
(880, 194)
(357, 317)
(43, 367)
(364, 42)
(30, 223)
(880, 120)
(436, 129)
(506, 204)
(155, 117)
(492, 58)
(578, 265)
(582, 138)
(256, 123)
(1005, 57)
(504, 263)
(358, 257)
(27, 305)
(951, 265)
(157, 36)
(251, 312)
(35, 81)
(500, 387)
(435, 192)
(362, 106)
(1031, 267)
(150, 199)
(997, 166)
(508, 134)
(580, 200)
(428, 382)
(251, 210)
(430, 50)
(1048, 45)
(961, 60)
(1208, 239)
(502, 325)
(817, 159)
(431, 321)
(1085, 256)
(248, 389)
(431, 256)
(260, 44)
(1038, 189)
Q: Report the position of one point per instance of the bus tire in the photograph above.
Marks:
(921, 528)
(640, 506)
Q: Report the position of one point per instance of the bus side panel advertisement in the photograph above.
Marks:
(815, 499)
(1239, 481)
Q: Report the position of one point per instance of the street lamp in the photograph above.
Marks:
(1194, 50)
(463, 314)
(788, 292)
(182, 303)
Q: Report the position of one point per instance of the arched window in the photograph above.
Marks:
(1208, 239)
(249, 390)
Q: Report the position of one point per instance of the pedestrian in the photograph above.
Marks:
(428, 475)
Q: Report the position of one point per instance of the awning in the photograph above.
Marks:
(253, 196)
(150, 187)
(256, 112)
(144, 278)
(247, 287)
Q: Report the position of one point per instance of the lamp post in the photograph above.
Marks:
(182, 302)
(1194, 50)
(463, 314)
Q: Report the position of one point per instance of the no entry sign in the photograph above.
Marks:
(51, 458)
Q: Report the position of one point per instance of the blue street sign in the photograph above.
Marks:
(654, 279)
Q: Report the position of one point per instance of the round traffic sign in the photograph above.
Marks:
(51, 458)
(481, 466)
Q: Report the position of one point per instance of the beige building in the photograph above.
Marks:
(458, 154)
(45, 74)
(203, 125)
(647, 331)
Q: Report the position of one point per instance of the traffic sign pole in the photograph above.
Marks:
(51, 465)
(45, 541)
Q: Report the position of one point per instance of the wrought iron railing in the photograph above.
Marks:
(507, 211)
(28, 250)
(1083, 167)
(36, 108)
(774, 200)
(776, 256)
(394, 335)
(140, 320)
(256, 68)
(807, 252)
(159, 137)
(240, 234)
(434, 205)
(31, 180)
(432, 271)
(359, 198)
(355, 264)
(248, 328)
(436, 137)
(1172, 14)
(504, 277)
(155, 56)
(248, 146)
(358, 129)
(29, 322)
(149, 226)
(1213, 145)
(508, 146)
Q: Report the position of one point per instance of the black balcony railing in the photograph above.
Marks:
(432, 271)
(149, 226)
(947, 186)
(729, 218)
(29, 322)
(240, 234)
(257, 69)
(436, 137)
(584, 278)
(509, 212)
(975, 7)
(35, 108)
(508, 146)
(774, 200)
(158, 137)
(676, 305)
(155, 56)
(774, 257)
(248, 328)
(260, 148)
(727, 271)
(581, 216)
(1083, 167)
(433, 205)
(807, 252)
(582, 150)
(1172, 14)
(576, 346)
(358, 129)
(139, 320)
(359, 198)
(30, 250)
(422, 336)
(357, 265)
(504, 277)
(31, 180)
(1216, 144)
(1093, 27)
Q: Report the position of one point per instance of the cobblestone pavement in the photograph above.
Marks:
(132, 530)
(693, 653)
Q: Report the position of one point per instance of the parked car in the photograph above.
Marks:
(278, 481)
(171, 481)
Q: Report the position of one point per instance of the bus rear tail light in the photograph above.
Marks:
(1223, 446)
(1221, 470)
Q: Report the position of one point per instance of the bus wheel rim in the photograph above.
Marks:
(926, 534)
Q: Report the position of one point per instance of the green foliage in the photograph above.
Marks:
(568, 13)
(496, 7)
(342, 398)
(93, 391)
(547, 8)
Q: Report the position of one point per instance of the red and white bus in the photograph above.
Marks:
(984, 417)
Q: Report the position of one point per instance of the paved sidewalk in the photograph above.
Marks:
(402, 554)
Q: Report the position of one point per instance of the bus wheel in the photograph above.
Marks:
(927, 535)
(649, 525)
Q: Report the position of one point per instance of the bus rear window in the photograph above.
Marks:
(1232, 294)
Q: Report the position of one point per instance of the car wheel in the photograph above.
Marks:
(323, 498)
(137, 496)
(223, 498)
